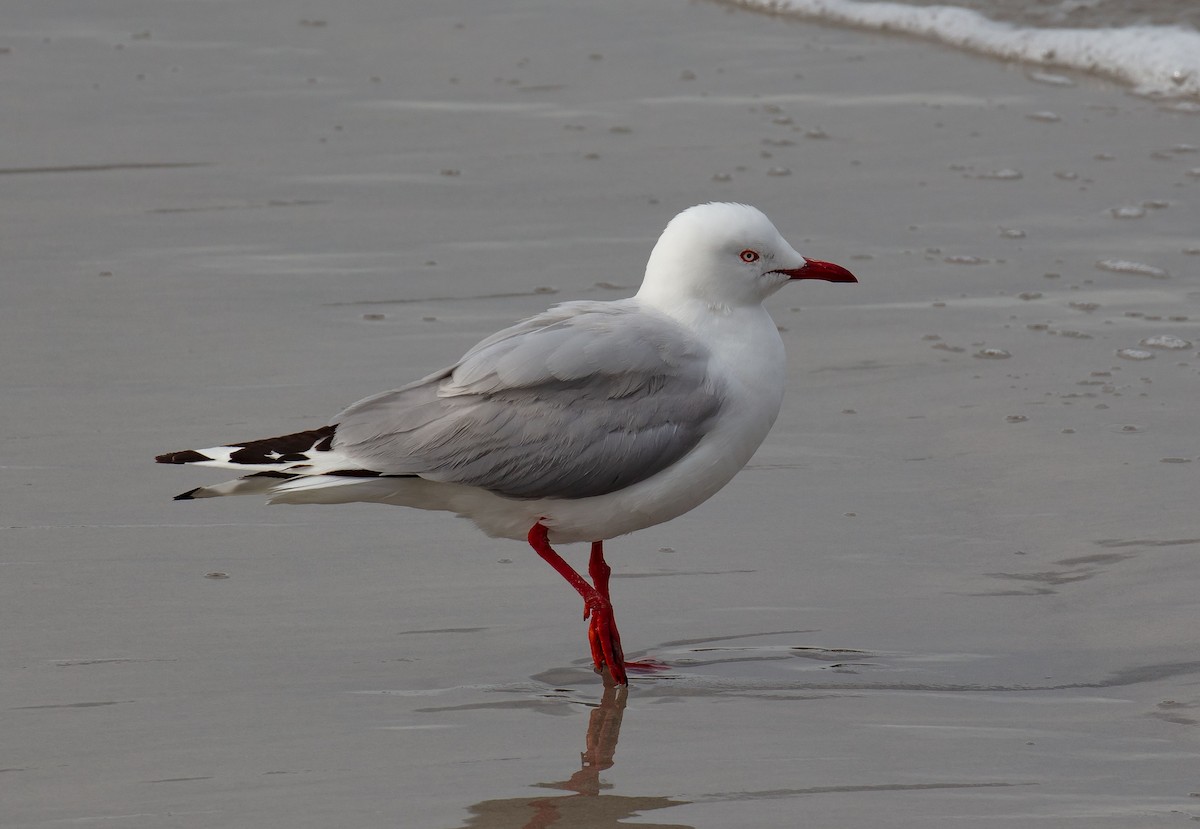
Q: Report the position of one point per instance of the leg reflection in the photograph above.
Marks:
(604, 728)
(586, 807)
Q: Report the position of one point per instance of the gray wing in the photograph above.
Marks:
(582, 400)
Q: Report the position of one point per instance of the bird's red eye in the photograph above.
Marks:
(749, 256)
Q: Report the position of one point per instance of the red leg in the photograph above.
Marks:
(602, 627)
(598, 569)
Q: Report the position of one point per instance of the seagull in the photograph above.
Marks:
(586, 422)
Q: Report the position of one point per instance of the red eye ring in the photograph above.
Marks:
(749, 255)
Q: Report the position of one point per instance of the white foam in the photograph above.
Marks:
(1155, 60)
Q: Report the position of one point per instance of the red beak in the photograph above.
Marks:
(816, 269)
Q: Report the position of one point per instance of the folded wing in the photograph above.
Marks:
(528, 413)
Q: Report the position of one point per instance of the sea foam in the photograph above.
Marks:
(1154, 60)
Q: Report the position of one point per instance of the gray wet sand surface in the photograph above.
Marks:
(958, 583)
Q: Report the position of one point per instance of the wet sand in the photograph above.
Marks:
(958, 583)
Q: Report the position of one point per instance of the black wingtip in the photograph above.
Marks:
(190, 495)
(186, 456)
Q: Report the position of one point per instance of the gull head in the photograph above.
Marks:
(726, 255)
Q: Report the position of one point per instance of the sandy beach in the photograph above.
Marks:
(958, 584)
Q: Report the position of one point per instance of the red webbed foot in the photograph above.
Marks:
(605, 639)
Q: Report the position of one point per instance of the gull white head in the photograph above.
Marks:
(726, 255)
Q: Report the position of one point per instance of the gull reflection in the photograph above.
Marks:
(585, 807)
